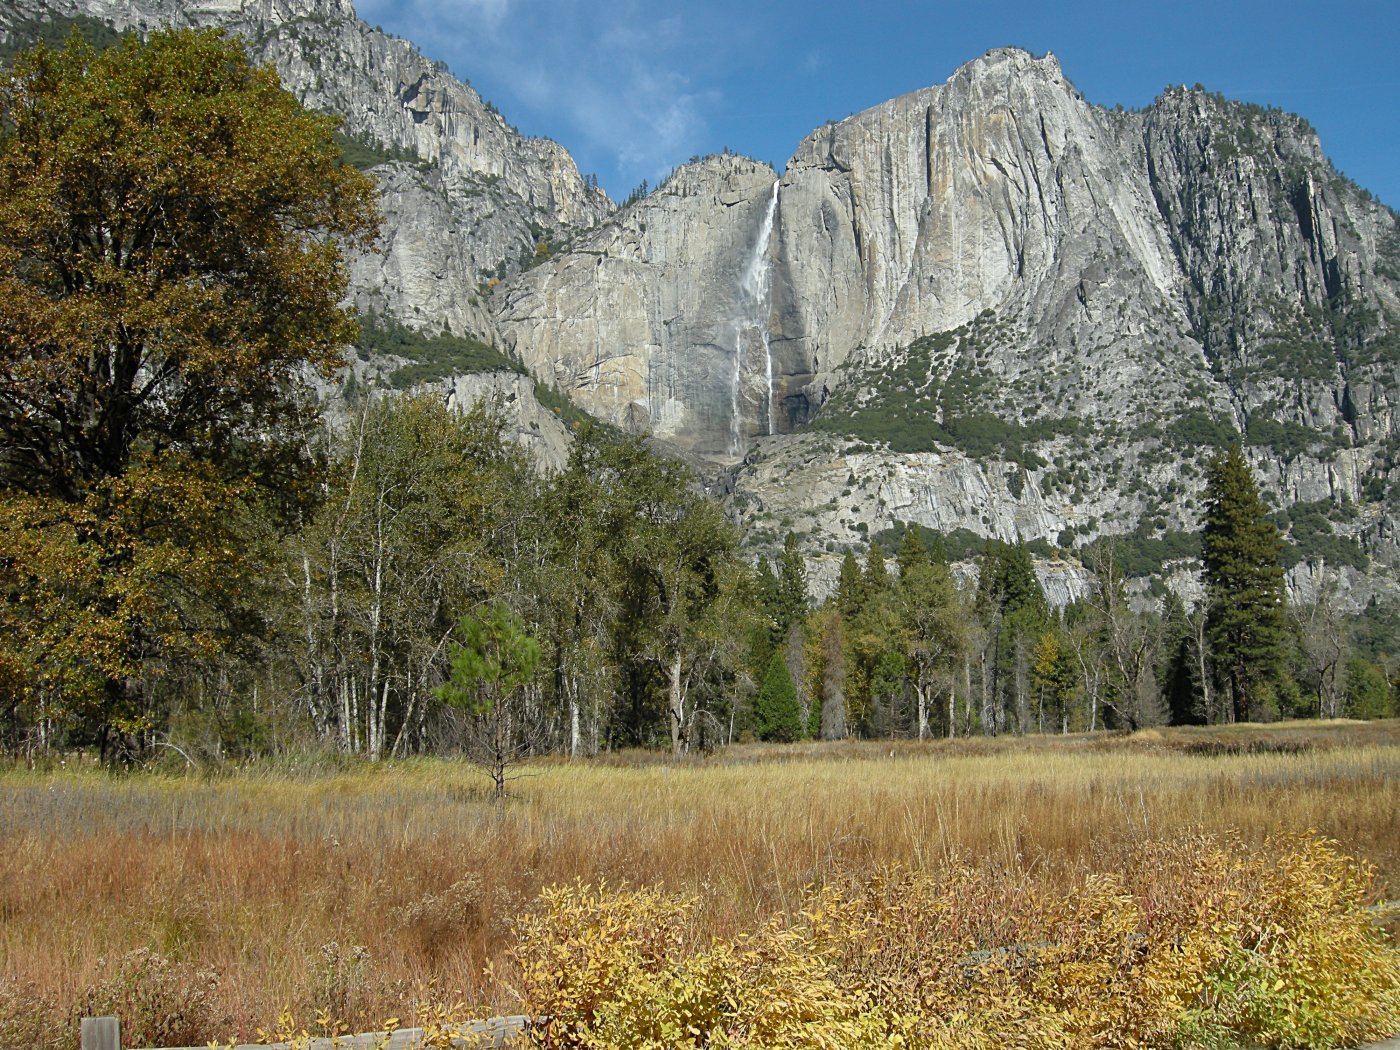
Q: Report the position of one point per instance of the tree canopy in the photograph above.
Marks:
(172, 235)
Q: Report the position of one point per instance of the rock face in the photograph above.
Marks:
(478, 197)
(1008, 311)
(659, 318)
(527, 423)
(987, 305)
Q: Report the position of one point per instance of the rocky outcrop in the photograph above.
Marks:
(477, 200)
(1010, 312)
(1000, 189)
(656, 320)
(986, 305)
(527, 423)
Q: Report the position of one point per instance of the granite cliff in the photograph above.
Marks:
(994, 307)
(988, 307)
(466, 198)
(473, 198)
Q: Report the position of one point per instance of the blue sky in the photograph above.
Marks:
(633, 88)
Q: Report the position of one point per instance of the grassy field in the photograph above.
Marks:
(209, 901)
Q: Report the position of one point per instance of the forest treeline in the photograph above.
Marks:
(190, 563)
(651, 627)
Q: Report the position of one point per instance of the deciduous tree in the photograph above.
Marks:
(172, 235)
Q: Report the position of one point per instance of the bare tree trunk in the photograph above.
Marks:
(343, 730)
(575, 735)
(315, 668)
(676, 701)
(967, 692)
(380, 716)
(410, 703)
(1203, 667)
(921, 696)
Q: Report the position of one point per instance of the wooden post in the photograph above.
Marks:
(101, 1033)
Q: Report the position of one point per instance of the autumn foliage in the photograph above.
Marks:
(172, 228)
(1199, 943)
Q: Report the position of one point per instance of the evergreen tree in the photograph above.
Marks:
(1176, 673)
(793, 599)
(492, 661)
(777, 714)
(912, 552)
(1007, 580)
(850, 588)
(1246, 622)
(1013, 606)
(938, 550)
(876, 578)
(767, 590)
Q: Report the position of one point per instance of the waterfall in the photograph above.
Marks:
(753, 316)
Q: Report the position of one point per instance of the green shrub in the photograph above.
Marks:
(431, 356)
(363, 152)
(54, 32)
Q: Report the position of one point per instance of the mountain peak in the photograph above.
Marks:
(1010, 61)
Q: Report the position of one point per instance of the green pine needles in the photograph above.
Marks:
(777, 712)
(1246, 621)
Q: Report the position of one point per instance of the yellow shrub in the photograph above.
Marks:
(1195, 944)
(1303, 965)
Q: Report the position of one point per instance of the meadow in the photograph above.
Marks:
(202, 903)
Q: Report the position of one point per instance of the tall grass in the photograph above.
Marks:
(362, 888)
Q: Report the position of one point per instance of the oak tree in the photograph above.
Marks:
(173, 228)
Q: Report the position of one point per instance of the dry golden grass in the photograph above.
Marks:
(272, 878)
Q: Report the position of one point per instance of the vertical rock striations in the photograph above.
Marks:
(987, 305)
(656, 319)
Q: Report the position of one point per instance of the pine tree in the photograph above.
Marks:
(1013, 606)
(876, 578)
(767, 592)
(1246, 623)
(1175, 674)
(912, 552)
(850, 588)
(792, 586)
(777, 713)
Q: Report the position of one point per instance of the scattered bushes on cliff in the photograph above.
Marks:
(431, 356)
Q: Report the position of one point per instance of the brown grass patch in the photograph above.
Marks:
(365, 888)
